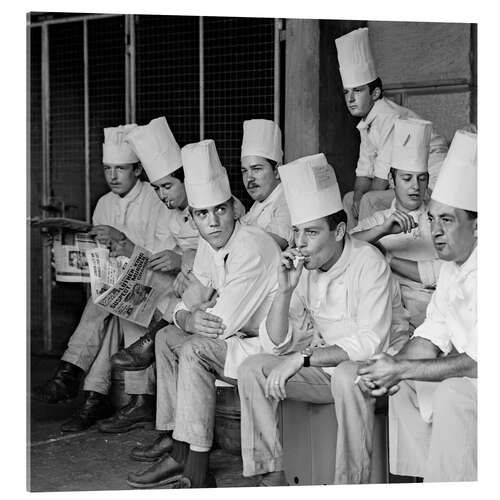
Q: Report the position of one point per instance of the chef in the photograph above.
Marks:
(433, 412)
(130, 212)
(238, 263)
(364, 99)
(261, 154)
(330, 286)
(403, 231)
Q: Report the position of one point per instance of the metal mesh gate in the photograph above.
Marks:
(205, 75)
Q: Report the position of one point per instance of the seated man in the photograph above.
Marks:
(238, 263)
(131, 212)
(364, 99)
(433, 415)
(260, 156)
(330, 286)
(403, 232)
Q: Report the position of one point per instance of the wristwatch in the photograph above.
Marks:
(306, 356)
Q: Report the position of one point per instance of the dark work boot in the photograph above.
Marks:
(162, 445)
(141, 354)
(139, 412)
(95, 407)
(62, 386)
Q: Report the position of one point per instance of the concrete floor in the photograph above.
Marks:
(91, 460)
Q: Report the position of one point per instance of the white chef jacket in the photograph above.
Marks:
(375, 150)
(140, 214)
(272, 215)
(245, 274)
(451, 320)
(350, 305)
(416, 245)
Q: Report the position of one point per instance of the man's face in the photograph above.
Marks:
(454, 234)
(121, 178)
(410, 188)
(359, 101)
(171, 192)
(320, 246)
(215, 224)
(259, 177)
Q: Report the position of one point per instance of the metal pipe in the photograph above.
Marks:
(277, 29)
(132, 68)
(88, 17)
(86, 119)
(46, 187)
(127, 69)
(202, 79)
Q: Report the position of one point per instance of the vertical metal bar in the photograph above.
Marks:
(132, 53)
(202, 80)
(127, 69)
(86, 118)
(277, 29)
(46, 188)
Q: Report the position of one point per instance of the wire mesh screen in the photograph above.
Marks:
(167, 73)
(67, 154)
(239, 85)
(35, 181)
(106, 80)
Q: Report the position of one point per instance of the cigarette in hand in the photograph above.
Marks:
(297, 259)
(357, 379)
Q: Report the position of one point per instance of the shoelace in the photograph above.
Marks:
(139, 343)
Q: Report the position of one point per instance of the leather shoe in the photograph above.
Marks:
(139, 412)
(163, 472)
(141, 354)
(137, 356)
(95, 407)
(185, 482)
(150, 453)
(63, 386)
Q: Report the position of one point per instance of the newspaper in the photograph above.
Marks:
(70, 257)
(123, 288)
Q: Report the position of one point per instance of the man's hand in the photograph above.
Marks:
(317, 340)
(107, 235)
(288, 274)
(384, 371)
(204, 323)
(187, 261)
(196, 295)
(399, 222)
(165, 261)
(279, 375)
(180, 284)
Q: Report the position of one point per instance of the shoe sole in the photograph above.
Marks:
(137, 425)
(164, 482)
(147, 459)
(132, 368)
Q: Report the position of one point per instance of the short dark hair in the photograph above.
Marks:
(335, 219)
(471, 214)
(273, 163)
(376, 83)
(178, 174)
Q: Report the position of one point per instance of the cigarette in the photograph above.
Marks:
(297, 259)
(357, 379)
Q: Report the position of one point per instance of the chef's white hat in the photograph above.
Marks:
(456, 185)
(205, 179)
(410, 146)
(311, 188)
(115, 151)
(356, 63)
(156, 148)
(262, 138)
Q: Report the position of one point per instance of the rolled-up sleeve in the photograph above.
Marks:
(280, 223)
(364, 167)
(434, 327)
(374, 312)
(299, 328)
(382, 163)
